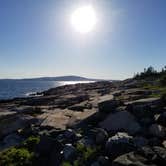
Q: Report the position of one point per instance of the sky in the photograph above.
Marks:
(37, 38)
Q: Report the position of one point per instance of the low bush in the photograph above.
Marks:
(16, 157)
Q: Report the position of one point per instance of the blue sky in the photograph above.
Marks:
(37, 39)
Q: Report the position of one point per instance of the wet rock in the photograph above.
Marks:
(119, 144)
(157, 130)
(69, 152)
(121, 121)
(101, 136)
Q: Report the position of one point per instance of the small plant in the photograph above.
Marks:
(86, 154)
(66, 164)
(80, 147)
(31, 143)
(90, 152)
(16, 157)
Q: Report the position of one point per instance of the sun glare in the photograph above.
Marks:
(83, 19)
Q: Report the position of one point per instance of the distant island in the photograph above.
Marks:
(59, 78)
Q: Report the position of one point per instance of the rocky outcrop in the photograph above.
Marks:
(97, 124)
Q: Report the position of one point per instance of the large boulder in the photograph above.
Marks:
(157, 130)
(119, 144)
(142, 108)
(121, 121)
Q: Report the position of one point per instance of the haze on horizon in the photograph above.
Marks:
(37, 38)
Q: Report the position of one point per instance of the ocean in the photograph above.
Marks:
(23, 88)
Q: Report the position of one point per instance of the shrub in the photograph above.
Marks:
(31, 143)
(86, 154)
(16, 157)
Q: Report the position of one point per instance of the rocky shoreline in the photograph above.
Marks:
(95, 124)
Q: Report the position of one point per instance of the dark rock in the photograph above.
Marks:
(70, 134)
(121, 121)
(87, 142)
(14, 123)
(103, 161)
(10, 140)
(162, 119)
(142, 108)
(161, 155)
(154, 141)
(119, 144)
(69, 152)
(140, 141)
(101, 136)
(47, 145)
(107, 103)
(156, 154)
(157, 130)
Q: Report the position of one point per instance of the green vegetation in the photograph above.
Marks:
(156, 81)
(20, 156)
(151, 73)
(16, 157)
(85, 154)
(31, 143)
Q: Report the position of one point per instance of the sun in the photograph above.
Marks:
(84, 19)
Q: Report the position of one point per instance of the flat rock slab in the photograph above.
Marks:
(144, 101)
(60, 119)
(6, 113)
(106, 98)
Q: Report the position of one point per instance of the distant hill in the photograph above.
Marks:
(60, 78)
